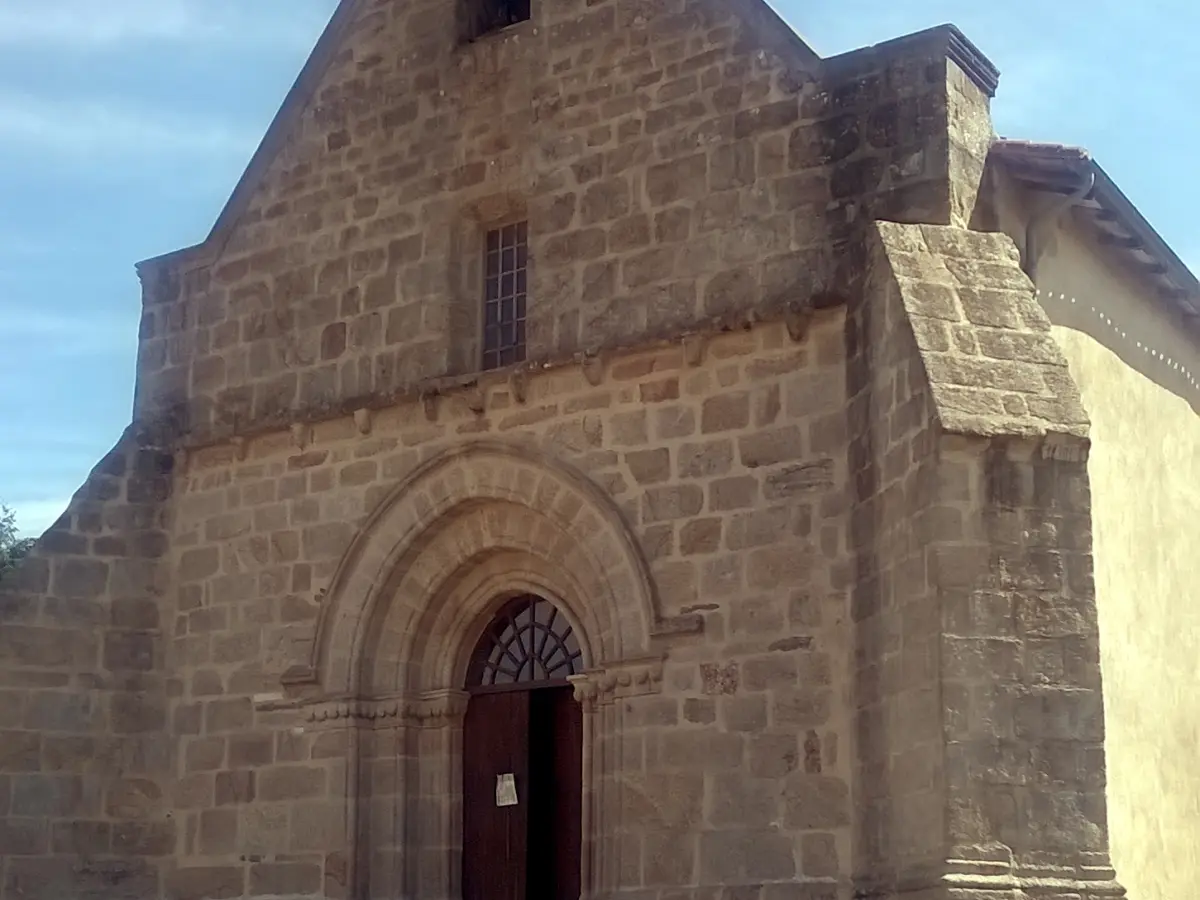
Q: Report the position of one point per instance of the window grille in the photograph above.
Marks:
(505, 276)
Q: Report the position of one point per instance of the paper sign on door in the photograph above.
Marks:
(506, 790)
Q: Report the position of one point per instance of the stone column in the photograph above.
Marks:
(1023, 712)
(600, 692)
(436, 841)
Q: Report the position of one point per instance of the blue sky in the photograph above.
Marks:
(124, 125)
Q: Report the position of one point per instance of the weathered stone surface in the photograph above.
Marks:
(823, 641)
(1002, 375)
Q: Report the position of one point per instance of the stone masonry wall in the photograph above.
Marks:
(671, 169)
(899, 818)
(729, 466)
(992, 607)
(85, 763)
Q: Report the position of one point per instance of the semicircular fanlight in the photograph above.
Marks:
(529, 640)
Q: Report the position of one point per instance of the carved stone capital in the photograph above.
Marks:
(617, 681)
(439, 708)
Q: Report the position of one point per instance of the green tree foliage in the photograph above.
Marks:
(12, 547)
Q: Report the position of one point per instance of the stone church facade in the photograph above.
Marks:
(600, 451)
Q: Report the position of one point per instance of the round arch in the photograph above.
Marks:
(484, 518)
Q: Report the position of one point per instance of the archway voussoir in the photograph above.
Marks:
(606, 550)
(456, 481)
(479, 473)
(495, 519)
(423, 507)
(439, 491)
(568, 506)
(548, 490)
(506, 476)
(479, 534)
(470, 509)
(587, 526)
(526, 486)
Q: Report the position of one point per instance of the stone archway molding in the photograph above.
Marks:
(429, 498)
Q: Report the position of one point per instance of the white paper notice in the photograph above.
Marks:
(506, 790)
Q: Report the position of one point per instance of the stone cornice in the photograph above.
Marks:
(796, 315)
(431, 709)
(944, 41)
(617, 681)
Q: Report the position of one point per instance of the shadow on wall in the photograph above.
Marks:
(1097, 304)
(1084, 287)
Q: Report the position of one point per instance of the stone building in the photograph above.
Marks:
(605, 449)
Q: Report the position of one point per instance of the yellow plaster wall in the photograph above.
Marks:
(1140, 379)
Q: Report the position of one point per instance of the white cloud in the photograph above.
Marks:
(99, 24)
(92, 128)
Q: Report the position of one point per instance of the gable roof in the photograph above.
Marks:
(1114, 220)
(768, 26)
(294, 104)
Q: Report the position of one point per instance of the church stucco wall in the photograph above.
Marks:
(1139, 374)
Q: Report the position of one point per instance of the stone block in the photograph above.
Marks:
(81, 838)
(649, 466)
(20, 751)
(52, 796)
(53, 878)
(816, 801)
(733, 800)
(741, 856)
(23, 836)
(235, 787)
(206, 882)
(708, 459)
(218, 834)
(284, 879)
(666, 503)
(772, 755)
(144, 839)
(669, 858)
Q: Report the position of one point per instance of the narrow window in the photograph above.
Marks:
(484, 16)
(504, 296)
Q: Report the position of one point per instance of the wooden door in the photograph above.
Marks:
(556, 802)
(495, 838)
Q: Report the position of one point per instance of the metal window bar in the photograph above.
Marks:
(529, 640)
(505, 282)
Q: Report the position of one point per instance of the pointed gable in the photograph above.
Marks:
(356, 19)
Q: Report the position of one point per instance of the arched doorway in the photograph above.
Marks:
(523, 758)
